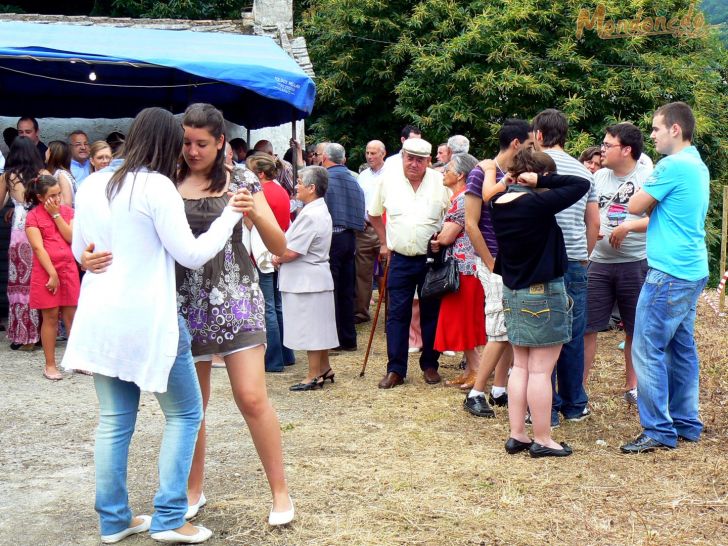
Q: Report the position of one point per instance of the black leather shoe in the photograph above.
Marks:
(315, 383)
(537, 450)
(514, 446)
(500, 401)
(643, 444)
(478, 406)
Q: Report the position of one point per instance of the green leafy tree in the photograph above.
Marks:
(463, 67)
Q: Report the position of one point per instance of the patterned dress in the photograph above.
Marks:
(222, 302)
(23, 322)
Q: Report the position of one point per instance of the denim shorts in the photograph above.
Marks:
(539, 315)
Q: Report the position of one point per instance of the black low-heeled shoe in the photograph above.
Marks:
(537, 450)
(315, 383)
(328, 374)
(514, 446)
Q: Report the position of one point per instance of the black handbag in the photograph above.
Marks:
(442, 276)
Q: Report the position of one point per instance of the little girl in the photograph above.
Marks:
(54, 280)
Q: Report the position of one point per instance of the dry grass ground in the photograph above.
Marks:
(369, 467)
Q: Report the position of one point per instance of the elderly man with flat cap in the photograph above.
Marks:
(415, 201)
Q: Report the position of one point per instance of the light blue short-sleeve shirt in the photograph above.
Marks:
(680, 184)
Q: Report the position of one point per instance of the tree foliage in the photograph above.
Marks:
(463, 67)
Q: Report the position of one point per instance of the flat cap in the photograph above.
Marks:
(418, 147)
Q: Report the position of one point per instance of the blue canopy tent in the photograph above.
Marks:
(100, 71)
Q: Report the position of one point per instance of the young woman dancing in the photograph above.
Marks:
(126, 329)
(223, 303)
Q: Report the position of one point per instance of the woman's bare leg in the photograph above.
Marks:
(517, 388)
(318, 362)
(197, 471)
(246, 370)
(541, 362)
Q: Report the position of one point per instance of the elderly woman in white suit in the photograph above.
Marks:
(305, 282)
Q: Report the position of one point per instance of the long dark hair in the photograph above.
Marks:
(23, 163)
(37, 188)
(205, 116)
(154, 142)
(59, 156)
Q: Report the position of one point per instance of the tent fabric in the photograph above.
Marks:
(250, 78)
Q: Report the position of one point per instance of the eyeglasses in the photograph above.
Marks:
(317, 153)
(607, 146)
(80, 145)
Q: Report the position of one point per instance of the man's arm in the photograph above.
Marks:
(378, 225)
(641, 203)
(592, 221)
(623, 229)
(473, 206)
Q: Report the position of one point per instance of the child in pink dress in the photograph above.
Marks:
(54, 280)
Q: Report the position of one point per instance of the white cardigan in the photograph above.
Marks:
(126, 322)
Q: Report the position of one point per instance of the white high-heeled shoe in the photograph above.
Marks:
(282, 518)
(192, 509)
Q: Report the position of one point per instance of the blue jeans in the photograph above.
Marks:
(276, 354)
(407, 274)
(666, 359)
(569, 396)
(118, 406)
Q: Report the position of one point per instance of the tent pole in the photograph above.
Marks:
(294, 156)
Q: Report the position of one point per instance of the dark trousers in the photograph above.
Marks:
(406, 274)
(367, 252)
(341, 262)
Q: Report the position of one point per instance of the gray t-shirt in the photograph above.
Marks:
(614, 193)
(571, 220)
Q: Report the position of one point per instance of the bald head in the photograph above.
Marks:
(375, 153)
(264, 146)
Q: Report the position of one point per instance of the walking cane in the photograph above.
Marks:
(382, 296)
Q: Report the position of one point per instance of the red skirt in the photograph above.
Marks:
(461, 324)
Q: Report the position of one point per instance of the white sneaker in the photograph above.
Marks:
(121, 535)
(448, 353)
(175, 537)
(414, 350)
(282, 518)
(192, 509)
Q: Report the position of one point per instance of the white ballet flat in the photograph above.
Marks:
(121, 535)
(201, 535)
(282, 518)
(192, 509)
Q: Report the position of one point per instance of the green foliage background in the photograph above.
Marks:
(463, 67)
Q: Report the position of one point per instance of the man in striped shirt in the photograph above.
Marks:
(580, 226)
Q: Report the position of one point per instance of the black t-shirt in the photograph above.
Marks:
(530, 243)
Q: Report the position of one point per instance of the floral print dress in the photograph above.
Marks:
(222, 302)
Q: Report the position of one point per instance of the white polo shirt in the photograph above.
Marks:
(412, 216)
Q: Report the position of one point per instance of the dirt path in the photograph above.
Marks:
(371, 467)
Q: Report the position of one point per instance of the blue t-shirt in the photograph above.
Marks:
(680, 184)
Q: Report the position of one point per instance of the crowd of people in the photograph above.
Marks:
(195, 248)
